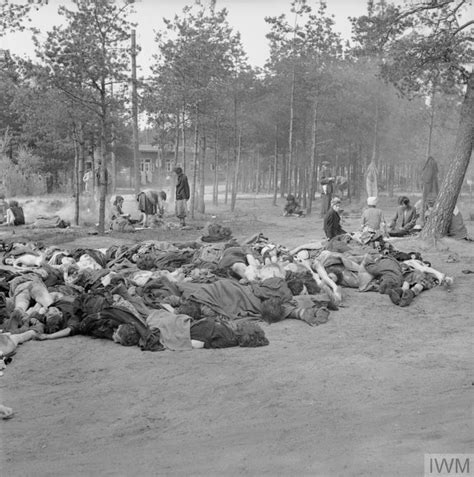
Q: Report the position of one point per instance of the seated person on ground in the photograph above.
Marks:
(15, 215)
(292, 207)
(119, 221)
(404, 220)
(332, 220)
(373, 220)
(457, 229)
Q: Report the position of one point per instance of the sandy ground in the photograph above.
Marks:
(367, 394)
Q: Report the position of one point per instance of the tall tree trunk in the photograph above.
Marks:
(202, 177)
(313, 165)
(195, 168)
(235, 182)
(77, 182)
(183, 122)
(113, 163)
(275, 167)
(176, 140)
(227, 178)
(257, 185)
(290, 135)
(432, 116)
(438, 222)
(375, 146)
(136, 154)
(103, 158)
(215, 188)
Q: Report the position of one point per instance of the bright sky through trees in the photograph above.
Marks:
(246, 16)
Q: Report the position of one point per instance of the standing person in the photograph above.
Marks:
(332, 220)
(327, 189)
(182, 195)
(404, 220)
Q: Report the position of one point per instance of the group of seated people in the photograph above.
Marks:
(11, 213)
(404, 222)
(151, 205)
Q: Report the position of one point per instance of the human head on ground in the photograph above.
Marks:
(126, 335)
(372, 201)
(290, 197)
(54, 321)
(178, 170)
(13, 203)
(296, 285)
(272, 310)
(404, 201)
(190, 308)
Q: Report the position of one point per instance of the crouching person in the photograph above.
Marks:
(119, 221)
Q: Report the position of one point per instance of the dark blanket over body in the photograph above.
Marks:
(226, 297)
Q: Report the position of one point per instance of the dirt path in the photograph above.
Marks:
(367, 394)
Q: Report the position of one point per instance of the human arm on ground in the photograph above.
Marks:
(53, 336)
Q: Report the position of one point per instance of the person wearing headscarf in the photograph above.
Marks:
(372, 219)
(118, 220)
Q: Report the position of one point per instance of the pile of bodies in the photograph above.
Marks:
(160, 295)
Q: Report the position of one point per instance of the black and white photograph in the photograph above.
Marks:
(236, 238)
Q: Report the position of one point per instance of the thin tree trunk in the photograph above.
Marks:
(202, 177)
(257, 185)
(431, 123)
(227, 178)
(275, 168)
(236, 173)
(215, 189)
(290, 136)
(77, 186)
(312, 171)
(195, 168)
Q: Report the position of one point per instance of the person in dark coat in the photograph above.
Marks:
(15, 215)
(327, 189)
(182, 195)
(404, 220)
(332, 220)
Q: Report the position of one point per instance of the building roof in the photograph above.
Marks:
(147, 148)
